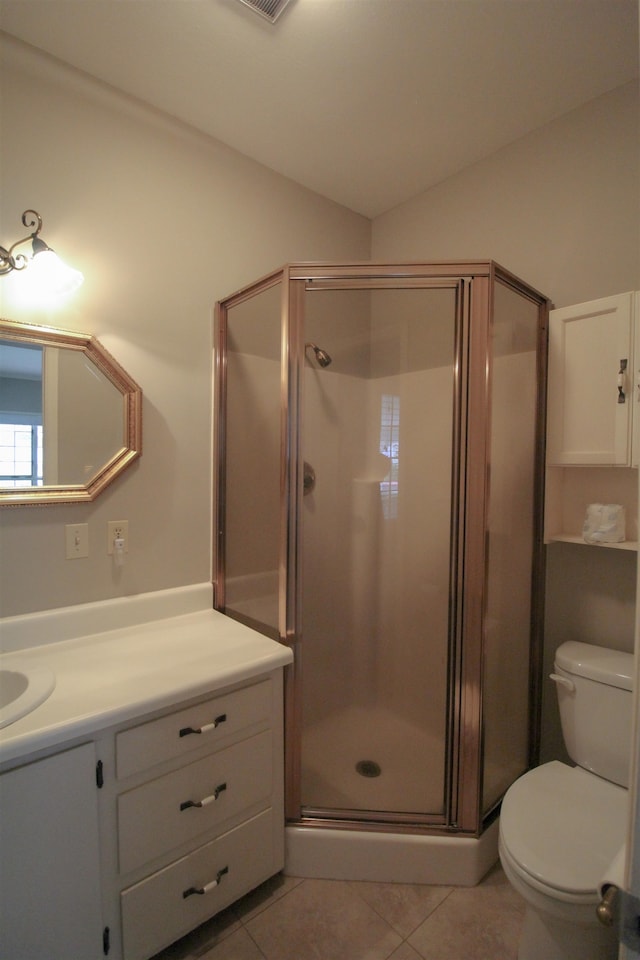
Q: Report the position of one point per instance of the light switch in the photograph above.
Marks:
(77, 540)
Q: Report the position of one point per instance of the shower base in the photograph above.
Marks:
(330, 779)
(340, 776)
(389, 857)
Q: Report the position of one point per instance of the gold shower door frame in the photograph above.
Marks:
(474, 282)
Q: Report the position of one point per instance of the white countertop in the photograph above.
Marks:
(103, 679)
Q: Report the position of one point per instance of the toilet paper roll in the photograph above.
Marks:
(604, 523)
(615, 872)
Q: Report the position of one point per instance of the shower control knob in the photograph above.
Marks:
(309, 479)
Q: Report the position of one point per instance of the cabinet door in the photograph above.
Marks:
(588, 345)
(49, 875)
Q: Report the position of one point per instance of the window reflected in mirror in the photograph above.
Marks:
(70, 416)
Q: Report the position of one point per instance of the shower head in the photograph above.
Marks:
(322, 356)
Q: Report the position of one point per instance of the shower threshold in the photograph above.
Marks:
(330, 854)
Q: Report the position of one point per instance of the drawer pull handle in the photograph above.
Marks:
(200, 891)
(205, 800)
(622, 381)
(185, 731)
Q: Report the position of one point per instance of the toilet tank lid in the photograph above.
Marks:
(613, 667)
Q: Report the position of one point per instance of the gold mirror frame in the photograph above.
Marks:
(131, 412)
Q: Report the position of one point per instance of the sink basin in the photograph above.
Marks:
(23, 687)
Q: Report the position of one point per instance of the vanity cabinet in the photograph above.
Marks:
(146, 793)
(119, 846)
(196, 811)
(593, 415)
(50, 897)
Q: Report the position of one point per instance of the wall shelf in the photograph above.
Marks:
(630, 545)
(569, 491)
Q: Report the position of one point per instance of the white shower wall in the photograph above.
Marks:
(415, 549)
(375, 594)
(334, 445)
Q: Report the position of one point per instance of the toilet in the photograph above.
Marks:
(561, 827)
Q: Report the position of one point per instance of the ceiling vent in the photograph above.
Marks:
(269, 9)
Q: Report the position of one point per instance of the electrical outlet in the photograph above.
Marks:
(117, 530)
(76, 538)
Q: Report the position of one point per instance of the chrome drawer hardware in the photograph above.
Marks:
(185, 731)
(205, 800)
(200, 891)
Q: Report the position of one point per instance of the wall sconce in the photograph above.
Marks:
(46, 269)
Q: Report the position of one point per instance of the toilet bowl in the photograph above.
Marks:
(561, 826)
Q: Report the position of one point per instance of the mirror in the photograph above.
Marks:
(70, 416)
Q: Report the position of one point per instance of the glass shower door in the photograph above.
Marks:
(248, 541)
(379, 414)
(510, 603)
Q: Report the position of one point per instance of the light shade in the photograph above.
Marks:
(51, 276)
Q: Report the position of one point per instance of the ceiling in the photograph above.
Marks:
(367, 102)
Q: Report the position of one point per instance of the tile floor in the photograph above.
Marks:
(291, 919)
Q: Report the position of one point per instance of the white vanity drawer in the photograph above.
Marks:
(158, 910)
(177, 733)
(170, 810)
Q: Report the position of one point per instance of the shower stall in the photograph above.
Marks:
(379, 465)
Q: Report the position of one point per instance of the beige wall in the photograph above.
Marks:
(162, 223)
(561, 209)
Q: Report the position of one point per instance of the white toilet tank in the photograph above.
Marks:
(594, 696)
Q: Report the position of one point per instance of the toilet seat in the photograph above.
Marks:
(560, 828)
